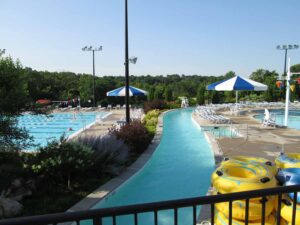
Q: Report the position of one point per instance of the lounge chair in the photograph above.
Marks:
(268, 120)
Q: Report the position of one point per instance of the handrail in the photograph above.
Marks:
(146, 207)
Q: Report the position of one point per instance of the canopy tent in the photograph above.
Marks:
(43, 101)
(237, 83)
(133, 91)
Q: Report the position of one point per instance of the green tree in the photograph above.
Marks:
(158, 93)
(58, 162)
(295, 68)
(259, 75)
(168, 94)
(13, 99)
(151, 93)
(229, 74)
(215, 97)
(201, 95)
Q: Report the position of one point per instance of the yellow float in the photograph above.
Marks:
(239, 206)
(221, 219)
(288, 160)
(287, 211)
(248, 159)
(236, 176)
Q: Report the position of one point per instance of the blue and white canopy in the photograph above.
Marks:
(133, 91)
(237, 83)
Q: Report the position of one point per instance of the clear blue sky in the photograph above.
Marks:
(180, 36)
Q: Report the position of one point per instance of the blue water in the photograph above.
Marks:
(222, 131)
(293, 119)
(45, 128)
(180, 168)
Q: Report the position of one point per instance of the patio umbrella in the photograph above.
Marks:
(237, 83)
(133, 91)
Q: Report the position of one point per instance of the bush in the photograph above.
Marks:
(11, 167)
(60, 162)
(151, 120)
(109, 153)
(152, 114)
(134, 134)
(154, 104)
(174, 104)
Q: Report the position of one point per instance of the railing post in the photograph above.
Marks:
(294, 208)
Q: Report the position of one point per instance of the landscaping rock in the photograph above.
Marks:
(9, 207)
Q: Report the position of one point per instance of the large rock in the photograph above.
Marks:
(9, 207)
(19, 188)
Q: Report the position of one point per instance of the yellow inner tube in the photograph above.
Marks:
(247, 159)
(222, 219)
(240, 176)
(239, 206)
(287, 211)
(288, 160)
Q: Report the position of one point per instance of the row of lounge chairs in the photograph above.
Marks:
(135, 114)
(210, 115)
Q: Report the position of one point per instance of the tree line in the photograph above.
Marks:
(23, 86)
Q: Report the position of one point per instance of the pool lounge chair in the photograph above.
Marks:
(268, 120)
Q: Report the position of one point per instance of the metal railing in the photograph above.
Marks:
(96, 216)
(227, 130)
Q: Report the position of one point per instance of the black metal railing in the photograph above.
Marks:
(96, 216)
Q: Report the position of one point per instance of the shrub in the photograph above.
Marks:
(154, 104)
(11, 167)
(109, 153)
(174, 105)
(152, 121)
(151, 114)
(134, 134)
(58, 162)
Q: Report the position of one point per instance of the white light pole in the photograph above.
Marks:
(287, 95)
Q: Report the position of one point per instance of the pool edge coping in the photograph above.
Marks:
(101, 192)
(218, 154)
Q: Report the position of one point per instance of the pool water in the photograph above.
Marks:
(293, 119)
(180, 167)
(222, 131)
(45, 128)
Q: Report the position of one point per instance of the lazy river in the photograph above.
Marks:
(180, 167)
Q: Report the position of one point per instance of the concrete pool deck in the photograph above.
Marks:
(257, 141)
(100, 128)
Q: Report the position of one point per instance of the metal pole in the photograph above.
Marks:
(287, 95)
(126, 65)
(94, 100)
(284, 71)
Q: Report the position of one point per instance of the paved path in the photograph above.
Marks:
(260, 141)
(101, 127)
(257, 141)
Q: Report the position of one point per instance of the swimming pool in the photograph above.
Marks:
(222, 131)
(180, 167)
(45, 128)
(293, 119)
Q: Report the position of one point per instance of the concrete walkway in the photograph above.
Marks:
(257, 141)
(260, 141)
